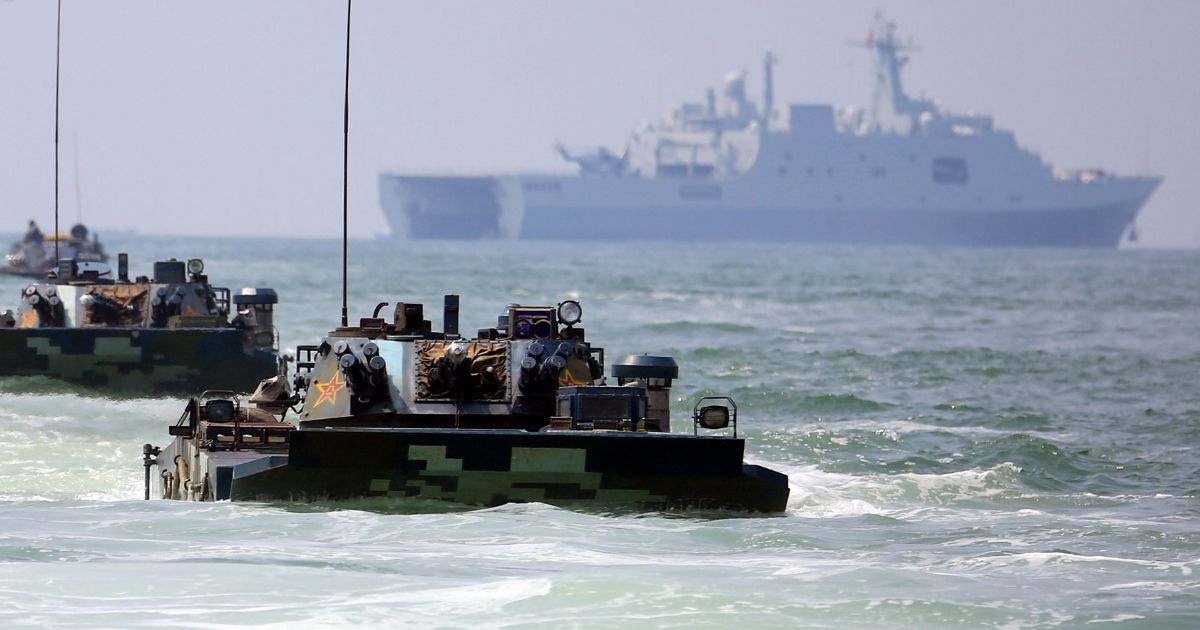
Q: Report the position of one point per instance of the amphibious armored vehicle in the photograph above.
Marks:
(36, 254)
(160, 335)
(519, 412)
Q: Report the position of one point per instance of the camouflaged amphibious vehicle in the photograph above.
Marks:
(35, 255)
(161, 335)
(519, 412)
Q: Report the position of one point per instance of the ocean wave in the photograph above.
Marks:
(819, 493)
(758, 401)
(700, 327)
(42, 386)
(1041, 561)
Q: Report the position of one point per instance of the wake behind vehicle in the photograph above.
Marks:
(519, 412)
(158, 335)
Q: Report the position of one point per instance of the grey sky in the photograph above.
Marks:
(223, 117)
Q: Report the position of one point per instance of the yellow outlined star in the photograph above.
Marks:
(329, 391)
(576, 374)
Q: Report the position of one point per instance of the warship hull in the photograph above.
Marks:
(1085, 227)
(136, 361)
(493, 467)
(482, 208)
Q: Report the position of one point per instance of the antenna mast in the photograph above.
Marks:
(57, 60)
(768, 90)
(345, 163)
(78, 192)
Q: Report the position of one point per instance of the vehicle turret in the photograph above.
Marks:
(505, 377)
(84, 294)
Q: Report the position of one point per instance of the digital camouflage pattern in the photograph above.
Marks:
(137, 361)
(496, 467)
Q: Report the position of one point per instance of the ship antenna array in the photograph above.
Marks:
(345, 164)
(57, 63)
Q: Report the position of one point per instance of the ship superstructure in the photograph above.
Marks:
(901, 170)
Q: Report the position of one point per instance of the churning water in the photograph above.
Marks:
(973, 437)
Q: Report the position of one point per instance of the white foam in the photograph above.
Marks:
(1117, 618)
(1151, 586)
(1044, 559)
(894, 428)
(817, 493)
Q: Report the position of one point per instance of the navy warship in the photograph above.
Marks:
(518, 412)
(901, 170)
(155, 335)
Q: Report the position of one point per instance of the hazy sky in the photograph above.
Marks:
(223, 117)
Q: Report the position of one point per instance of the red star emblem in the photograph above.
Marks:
(567, 378)
(329, 391)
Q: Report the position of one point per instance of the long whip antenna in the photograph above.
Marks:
(57, 60)
(345, 164)
(78, 190)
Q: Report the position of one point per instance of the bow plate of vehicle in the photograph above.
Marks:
(520, 412)
(158, 335)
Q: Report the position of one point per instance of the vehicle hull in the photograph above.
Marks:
(490, 467)
(138, 361)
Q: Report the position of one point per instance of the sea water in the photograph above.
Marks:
(972, 437)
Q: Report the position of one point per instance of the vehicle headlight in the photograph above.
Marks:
(570, 312)
(195, 266)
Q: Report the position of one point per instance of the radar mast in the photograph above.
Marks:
(768, 105)
(891, 110)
